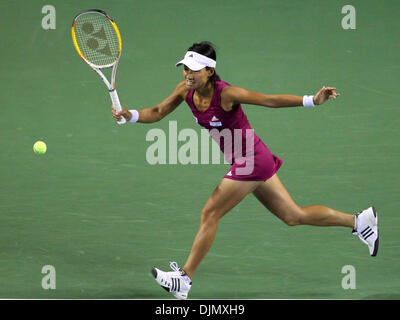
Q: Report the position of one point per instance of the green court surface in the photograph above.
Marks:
(96, 210)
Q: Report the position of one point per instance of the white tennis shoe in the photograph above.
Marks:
(176, 282)
(366, 227)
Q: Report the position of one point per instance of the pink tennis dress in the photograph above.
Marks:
(250, 158)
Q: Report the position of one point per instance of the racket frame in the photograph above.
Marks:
(98, 69)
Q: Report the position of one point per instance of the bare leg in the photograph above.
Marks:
(227, 195)
(274, 196)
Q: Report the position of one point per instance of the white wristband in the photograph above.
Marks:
(308, 101)
(135, 116)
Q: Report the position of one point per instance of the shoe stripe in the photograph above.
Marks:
(173, 285)
(365, 231)
(368, 235)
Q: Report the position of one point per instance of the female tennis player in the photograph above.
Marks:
(217, 106)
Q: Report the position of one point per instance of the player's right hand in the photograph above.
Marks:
(123, 113)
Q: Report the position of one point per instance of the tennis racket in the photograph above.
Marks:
(97, 40)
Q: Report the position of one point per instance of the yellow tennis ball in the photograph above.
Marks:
(39, 147)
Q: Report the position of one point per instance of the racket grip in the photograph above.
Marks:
(116, 104)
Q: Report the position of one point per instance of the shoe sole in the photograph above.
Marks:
(376, 244)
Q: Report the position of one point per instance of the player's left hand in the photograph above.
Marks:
(324, 94)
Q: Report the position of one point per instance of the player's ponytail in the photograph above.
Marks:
(207, 49)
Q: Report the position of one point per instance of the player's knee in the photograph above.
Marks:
(291, 222)
(293, 218)
(209, 215)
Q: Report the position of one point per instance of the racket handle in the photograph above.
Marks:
(116, 104)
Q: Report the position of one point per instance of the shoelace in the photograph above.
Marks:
(175, 282)
(174, 266)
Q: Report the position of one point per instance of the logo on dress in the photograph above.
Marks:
(215, 122)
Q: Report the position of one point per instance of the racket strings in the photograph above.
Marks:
(97, 39)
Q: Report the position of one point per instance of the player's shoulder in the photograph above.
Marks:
(230, 91)
(228, 95)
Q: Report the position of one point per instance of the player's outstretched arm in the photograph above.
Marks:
(157, 113)
(234, 95)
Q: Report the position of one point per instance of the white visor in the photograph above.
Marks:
(196, 61)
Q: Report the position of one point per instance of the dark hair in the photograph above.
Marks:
(207, 49)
